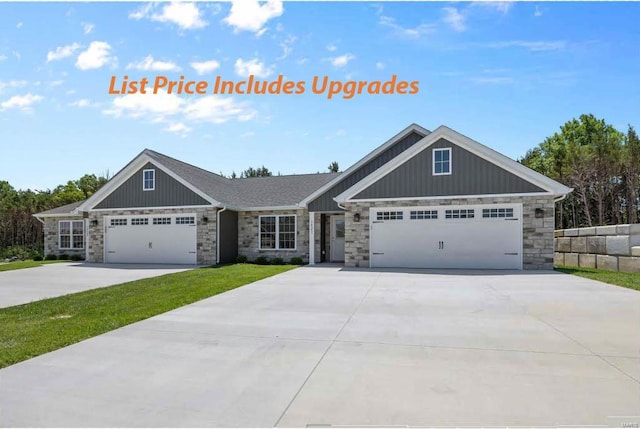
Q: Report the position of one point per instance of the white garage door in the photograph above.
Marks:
(476, 236)
(155, 239)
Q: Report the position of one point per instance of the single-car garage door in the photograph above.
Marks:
(151, 239)
(474, 236)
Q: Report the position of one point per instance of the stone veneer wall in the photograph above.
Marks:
(51, 237)
(537, 232)
(613, 248)
(248, 230)
(206, 232)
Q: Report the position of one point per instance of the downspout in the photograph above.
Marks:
(218, 234)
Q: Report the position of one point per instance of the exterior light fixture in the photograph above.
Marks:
(94, 222)
(356, 217)
(205, 219)
(539, 213)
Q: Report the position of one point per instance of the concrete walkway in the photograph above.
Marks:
(346, 347)
(51, 280)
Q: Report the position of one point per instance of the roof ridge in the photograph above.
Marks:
(184, 163)
(286, 175)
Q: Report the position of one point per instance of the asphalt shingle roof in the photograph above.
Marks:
(62, 210)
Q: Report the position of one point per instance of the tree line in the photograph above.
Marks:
(601, 164)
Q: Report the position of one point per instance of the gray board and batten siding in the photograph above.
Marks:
(168, 193)
(470, 175)
(325, 202)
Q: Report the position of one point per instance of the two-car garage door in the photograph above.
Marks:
(475, 236)
(157, 239)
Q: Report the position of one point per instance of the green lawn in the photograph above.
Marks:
(32, 329)
(18, 265)
(628, 280)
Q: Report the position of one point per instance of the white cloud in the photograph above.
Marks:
(87, 27)
(287, 46)
(12, 84)
(410, 32)
(205, 67)
(534, 46)
(3, 57)
(155, 106)
(97, 55)
(301, 61)
(21, 102)
(493, 80)
(380, 65)
(148, 63)
(218, 110)
(19, 25)
(55, 83)
(454, 19)
(187, 16)
(499, 6)
(178, 128)
(250, 15)
(62, 52)
(83, 103)
(538, 12)
(252, 67)
(247, 134)
(331, 47)
(342, 60)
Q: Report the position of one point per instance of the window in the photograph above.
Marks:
(148, 180)
(424, 214)
(118, 222)
(71, 234)
(162, 221)
(140, 221)
(441, 161)
(497, 213)
(186, 220)
(389, 216)
(278, 232)
(459, 214)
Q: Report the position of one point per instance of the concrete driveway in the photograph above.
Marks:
(347, 347)
(48, 281)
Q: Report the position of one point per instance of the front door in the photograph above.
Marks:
(337, 238)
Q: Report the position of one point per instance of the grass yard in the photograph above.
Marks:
(18, 265)
(39, 327)
(628, 280)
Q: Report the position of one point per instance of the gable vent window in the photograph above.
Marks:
(118, 222)
(441, 161)
(148, 180)
(162, 221)
(186, 220)
(424, 214)
(497, 213)
(140, 221)
(389, 216)
(459, 214)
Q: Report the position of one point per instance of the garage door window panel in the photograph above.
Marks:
(118, 222)
(162, 221)
(459, 214)
(71, 234)
(278, 232)
(389, 215)
(441, 161)
(186, 220)
(423, 214)
(140, 221)
(500, 212)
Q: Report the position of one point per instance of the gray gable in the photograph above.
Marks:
(168, 193)
(470, 175)
(325, 201)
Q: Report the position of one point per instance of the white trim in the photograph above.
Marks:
(312, 238)
(153, 180)
(149, 208)
(57, 215)
(453, 197)
(393, 140)
(262, 209)
(127, 172)
(71, 235)
(466, 143)
(433, 161)
(277, 243)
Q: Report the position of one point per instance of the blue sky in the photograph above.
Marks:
(505, 74)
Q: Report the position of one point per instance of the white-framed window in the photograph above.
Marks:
(500, 212)
(459, 214)
(185, 220)
(441, 161)
(140, 221)
(162, 221)
(118, 222)
(423, 214)
(71, 234)
(148, 179)
(390, 215)
(277, 232)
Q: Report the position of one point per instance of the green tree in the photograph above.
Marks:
(256, 172)
(334, 167)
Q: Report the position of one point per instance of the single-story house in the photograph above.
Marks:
(423, 199)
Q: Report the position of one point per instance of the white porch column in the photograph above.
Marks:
(312, 239)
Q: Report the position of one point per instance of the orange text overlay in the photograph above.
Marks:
(320, 85)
